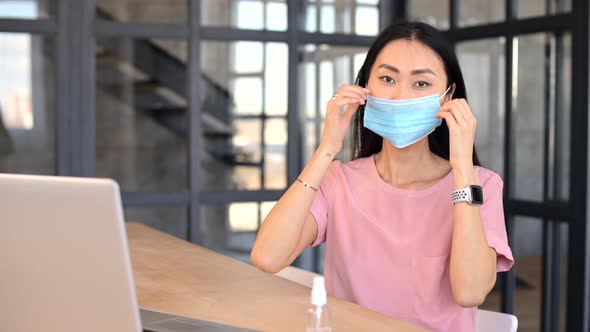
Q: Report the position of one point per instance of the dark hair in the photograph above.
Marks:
(365, 142)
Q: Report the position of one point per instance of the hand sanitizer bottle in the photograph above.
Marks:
(318, 315)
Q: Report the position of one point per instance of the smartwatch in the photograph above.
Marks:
(471, 194)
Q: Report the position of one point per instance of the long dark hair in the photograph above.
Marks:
(365, 142)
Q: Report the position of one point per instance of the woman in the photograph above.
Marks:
(406, 228)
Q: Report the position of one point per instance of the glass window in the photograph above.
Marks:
(276, 79)
(342, 16)
(248, 155)
(27, 104)
(247, 95)
(248, 57)
(275, 150)
(478, 12)
(276, 13)
(542, 71)
(244, 115)
(27, 9)
(433, 12)
(527, 251)
(141, 113)
(483, 66)
(231, 229)
(171, 220)
(528, 254)
(528, 117)
(150, 11)
(245, 14)
(530, 8)
(324, 69)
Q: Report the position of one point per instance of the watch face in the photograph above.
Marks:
(477, 194)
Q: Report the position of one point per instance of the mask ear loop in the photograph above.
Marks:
(449, 88)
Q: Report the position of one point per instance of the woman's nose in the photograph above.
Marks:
(400, 93)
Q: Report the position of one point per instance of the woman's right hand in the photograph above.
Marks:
(337, 120)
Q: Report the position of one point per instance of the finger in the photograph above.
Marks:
(362, 92)
(352, 86)
(459, 116)
(350, 94)
(351, 109)
(444, 109)
(456, 112)
(450, 120)
(341, 101)
(353, 90)
(467, 113)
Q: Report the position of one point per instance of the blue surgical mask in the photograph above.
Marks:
(403, 122)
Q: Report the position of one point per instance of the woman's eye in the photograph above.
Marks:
(387, 79)
(422, 84)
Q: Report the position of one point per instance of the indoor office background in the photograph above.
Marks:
(205, 111)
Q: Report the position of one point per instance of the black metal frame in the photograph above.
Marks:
(578, 307)
(76, 29)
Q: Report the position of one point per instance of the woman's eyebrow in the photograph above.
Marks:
(422, 71)
(389, 67)
(414, 72)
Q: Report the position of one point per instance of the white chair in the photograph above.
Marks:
(491, 321)
(486, 321)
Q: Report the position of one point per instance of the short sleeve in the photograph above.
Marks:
(492, 215)
(320, 205)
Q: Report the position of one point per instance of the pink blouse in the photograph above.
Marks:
(388, 249)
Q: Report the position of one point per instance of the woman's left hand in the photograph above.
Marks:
(461, 123)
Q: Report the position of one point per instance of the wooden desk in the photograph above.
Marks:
(178, 277)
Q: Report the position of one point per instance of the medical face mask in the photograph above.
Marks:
(403, 122)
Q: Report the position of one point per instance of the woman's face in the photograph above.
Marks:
(406, 69)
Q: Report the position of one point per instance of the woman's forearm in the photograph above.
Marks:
(280, 232)
(473, 262)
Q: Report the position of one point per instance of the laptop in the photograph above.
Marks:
(64, 260)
